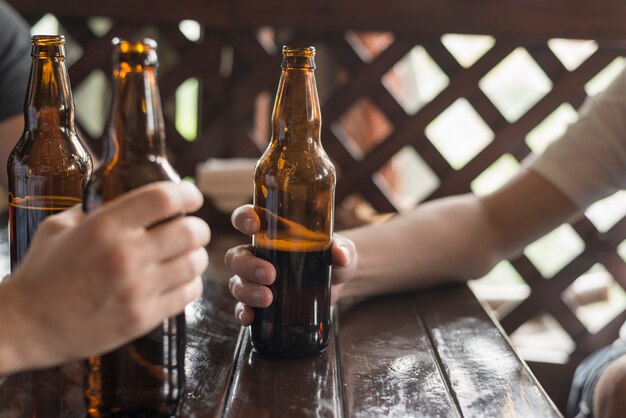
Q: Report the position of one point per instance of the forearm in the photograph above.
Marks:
(445, 240)
(455, 238)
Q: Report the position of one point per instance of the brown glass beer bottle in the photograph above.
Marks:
(294, 193)
(47, 171)
(145, 377)
(49, 166)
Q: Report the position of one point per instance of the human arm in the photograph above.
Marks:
(462, 237)
(455, 238)
(451, 239)
(91, 282)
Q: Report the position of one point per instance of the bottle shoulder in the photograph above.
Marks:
(301, 159)
(113, 178)
(49, 145)
(49, 157)
(286, 178)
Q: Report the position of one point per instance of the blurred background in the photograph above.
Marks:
(419, 101)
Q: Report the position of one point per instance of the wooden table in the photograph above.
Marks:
(431, 353)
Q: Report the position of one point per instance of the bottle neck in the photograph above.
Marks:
(49, 103)
(296, 116)
(136, 128)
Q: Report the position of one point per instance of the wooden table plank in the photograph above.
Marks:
(486, 375)
(266, 386)
(388, 367)
(212, 337)
(429, 353)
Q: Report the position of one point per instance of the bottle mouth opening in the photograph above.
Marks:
(48, 46)
(44, 40)
(134, 52)
(139, 47)
(304, 52)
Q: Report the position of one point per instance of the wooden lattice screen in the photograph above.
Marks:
(235, 69)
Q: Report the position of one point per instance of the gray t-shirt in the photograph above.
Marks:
(14, 61)
(588, 162)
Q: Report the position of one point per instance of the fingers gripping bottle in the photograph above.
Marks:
(145, 377)
(294, 195)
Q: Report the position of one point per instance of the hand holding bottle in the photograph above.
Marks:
(127, 279)
(253, 274)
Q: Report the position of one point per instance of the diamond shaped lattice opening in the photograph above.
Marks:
(572, 52)
(602, 80)
(459, 133)
(99, 25)
(261, 130)
(515, 84)
(406, 179)
(191, 29)
(368, 45)
(543, 339)
(415, 80)
(92, 97)
(362, 127)
(621, 250)
(467, 49)
(496, 175)
(551, 128)
(555, 250)
(266, 36)
(47, 25)
(502, 288)
(50, 25)
(187, 109)
(608, 211)
(595, 298)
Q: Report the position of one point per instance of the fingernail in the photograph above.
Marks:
(346, 253)
(260, 274)
(248, 226)
(240, 316)
(257, 297)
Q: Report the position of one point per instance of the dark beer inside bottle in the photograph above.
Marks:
(297, 323)
(294, 326)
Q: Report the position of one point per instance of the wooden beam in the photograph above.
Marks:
(602, 19)
(211, 13)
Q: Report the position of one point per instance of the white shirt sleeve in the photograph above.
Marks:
(588, 162)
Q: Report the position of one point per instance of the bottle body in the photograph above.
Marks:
(294, 186)
(295, 237)
(146, 376)
(47, 171)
